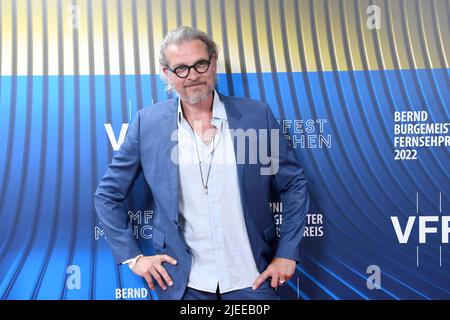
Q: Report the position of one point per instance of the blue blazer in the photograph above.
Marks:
(147, 149)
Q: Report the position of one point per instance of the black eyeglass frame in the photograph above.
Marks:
(194, 66)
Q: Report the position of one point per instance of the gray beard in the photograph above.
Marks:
(195, 99)
(192, 99)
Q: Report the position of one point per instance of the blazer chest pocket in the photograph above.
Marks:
(158, 238)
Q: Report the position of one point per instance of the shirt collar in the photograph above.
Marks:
(218, 110)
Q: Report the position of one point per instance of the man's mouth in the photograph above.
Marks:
(195, 85)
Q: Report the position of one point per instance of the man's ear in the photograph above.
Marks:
(165, 71)
(214, 60)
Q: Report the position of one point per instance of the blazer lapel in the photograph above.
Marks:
(169, 147)
(235, 122)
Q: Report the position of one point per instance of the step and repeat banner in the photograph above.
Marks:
(361, 89)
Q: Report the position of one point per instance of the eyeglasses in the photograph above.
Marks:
(183, 71)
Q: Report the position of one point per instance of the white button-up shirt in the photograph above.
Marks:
(213, 224)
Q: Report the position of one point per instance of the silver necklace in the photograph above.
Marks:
(204, 184)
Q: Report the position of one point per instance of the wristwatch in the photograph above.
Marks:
(132, 262)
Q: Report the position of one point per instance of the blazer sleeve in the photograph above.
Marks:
(111, 192)
(290, 182)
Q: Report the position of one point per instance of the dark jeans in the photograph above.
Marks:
(264, 292)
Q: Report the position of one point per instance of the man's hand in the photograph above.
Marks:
(280, 270)
(150, 268)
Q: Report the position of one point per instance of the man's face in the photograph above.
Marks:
(196, 86)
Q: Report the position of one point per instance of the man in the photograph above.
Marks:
(213, 231)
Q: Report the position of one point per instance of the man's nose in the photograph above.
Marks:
(193, 74)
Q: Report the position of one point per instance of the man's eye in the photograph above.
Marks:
(181, 68)
(204, 65)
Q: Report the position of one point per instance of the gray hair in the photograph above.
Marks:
(182, 34)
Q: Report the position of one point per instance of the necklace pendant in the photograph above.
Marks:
(205, 190)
